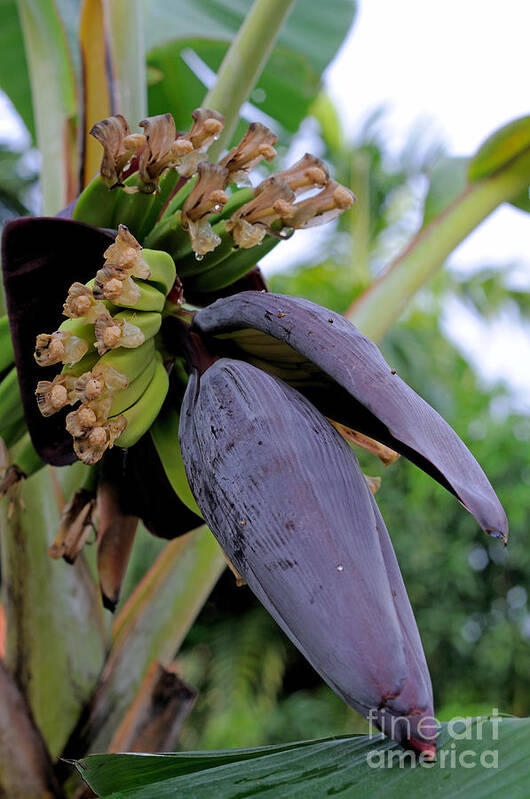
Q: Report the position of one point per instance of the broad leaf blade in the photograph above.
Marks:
(54, 94)
(14, 76)
(329, 767)
(309, 39)
(500, 148)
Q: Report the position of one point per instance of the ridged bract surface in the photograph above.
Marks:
(284, 495)
(364, 392)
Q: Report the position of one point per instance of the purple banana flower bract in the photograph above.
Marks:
(284, 494)
(359, 389)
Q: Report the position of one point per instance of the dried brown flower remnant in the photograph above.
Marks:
(81, 302)
(250, 223)
(159, 153)
(207, 197)
(256, 144)
(321, 208)
(119, 146)
(55, 394)
(307, 173)
(126, 254)
(90, 446)
(114, 284)
(206, 127)
(59, 347)
(111, 333)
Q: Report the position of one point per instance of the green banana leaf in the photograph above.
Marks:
(499, 172)
(480, 758)
(56, 637)
(308, 41)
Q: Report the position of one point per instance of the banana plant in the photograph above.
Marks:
(180, 390)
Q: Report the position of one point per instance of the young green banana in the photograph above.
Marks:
(67, 345)
(134, 208)
(125, 398)
(162, 268)
(140, 416)
(6, 347)
(164, 432)
(231, 268)
(126, 329)
(127, 362)
(144, 297)
(95, 204)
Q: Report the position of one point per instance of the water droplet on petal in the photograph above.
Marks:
(198, 256)
(340, 567)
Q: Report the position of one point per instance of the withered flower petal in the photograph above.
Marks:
(272, 200)
(119, 146)
(284, 495)
(256, 144)
(320, 209)
(207, 197)
(158, 154)
(192, 146)
(307, 173)
(360, 390)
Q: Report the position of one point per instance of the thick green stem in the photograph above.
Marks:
(379, 307)
(125, 28)
(244, 62)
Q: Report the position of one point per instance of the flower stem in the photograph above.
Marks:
(383, 302)
(244, 62)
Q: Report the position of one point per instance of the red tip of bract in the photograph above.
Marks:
(284, 495)
(40, 259)
(367, 396)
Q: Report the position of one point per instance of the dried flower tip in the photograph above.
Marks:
(112, 333)
(321, 208)
(75, 527)
(250, 223)
(81, 302)
(59, 347)
(307, 173)
(158, 154)
(126, 254)
(119, 146)
(206, 197)
(257, 143)
(91, 447)
(113, 380)
(89, 415)
(87, 387)
(54, 395)
(114, 285)
(206, 127)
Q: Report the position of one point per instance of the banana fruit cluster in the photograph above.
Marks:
(178, 200)
(111, 365)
